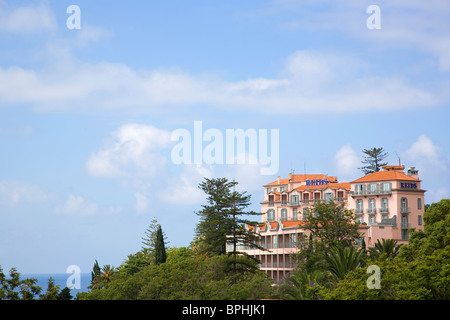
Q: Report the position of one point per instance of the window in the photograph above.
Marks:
(305, 213)
(360, 189)
(372, 220)
(373, 188)
(283, 214)
(294, 199)
(281, 189)
(359, 206)
(371, 206)
(294, 213)
(404, 205)
(419, 203)
(268, 190)
(270, 215)
(385, 187)
(419, 220)
(328, 196)
(384, 205)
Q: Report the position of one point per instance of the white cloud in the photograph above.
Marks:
(13, 193)
(29, 19)
(80, 206)
(421, 25)
(346, 162)
(142, 202)
(135, 152)
(425, 153)
(434, 168)
(311, 82)
(183, 189)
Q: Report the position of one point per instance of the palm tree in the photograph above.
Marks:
(342, 260)
(386, 246)
(107, 272)
(295, 287)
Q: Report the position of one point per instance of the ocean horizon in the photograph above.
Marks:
(59, 279)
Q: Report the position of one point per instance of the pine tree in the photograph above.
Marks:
(64, 294)
(373, 160)
(160, 250)
(52, 291)
(149, 241)
(222, 222)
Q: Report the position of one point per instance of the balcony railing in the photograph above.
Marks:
(383, 210)
(371, 192)
(405, 225)
(405, 210)
(371, 211)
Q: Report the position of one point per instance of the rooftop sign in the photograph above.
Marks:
(316, 182)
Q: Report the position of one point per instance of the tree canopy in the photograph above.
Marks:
(373, 160)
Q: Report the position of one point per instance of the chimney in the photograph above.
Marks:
(413, 172)
(278, 179)
(290, 176)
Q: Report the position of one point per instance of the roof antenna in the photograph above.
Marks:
(399, 162)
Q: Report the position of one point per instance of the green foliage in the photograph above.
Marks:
(373, 160)
(184, 276)
(388, 247)
(52, 291)
(342, 260)
(14, 288)
(160, 250)
(420, 270)
(64, 294)
(222, 223)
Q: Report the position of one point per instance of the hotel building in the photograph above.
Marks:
(387, 203)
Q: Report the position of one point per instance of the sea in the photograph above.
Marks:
(61, 280)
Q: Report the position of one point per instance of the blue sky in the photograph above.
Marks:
(87, 114)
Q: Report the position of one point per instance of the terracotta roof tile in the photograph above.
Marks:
(385, 176)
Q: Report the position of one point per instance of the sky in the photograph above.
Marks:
(97, 100)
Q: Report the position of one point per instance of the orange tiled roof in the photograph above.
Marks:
(303, 177)
(385, 176)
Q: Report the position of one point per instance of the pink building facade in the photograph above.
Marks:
(386, 203)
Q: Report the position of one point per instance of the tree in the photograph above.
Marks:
(386, 246)
(331, 225)
(160, 250)
(297, 286)
(15, 288)
(241, 234)
(149, 240)
(96, 276)
(373, 160)
(64, 294)
(342, 260)
(52, 291)
(213, 228)
(222, 222)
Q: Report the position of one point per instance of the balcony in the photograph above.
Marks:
(370, 192)
(371, 211)
(405, 210)
(405, 225)
(383, 210)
